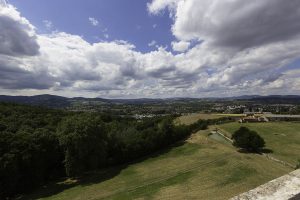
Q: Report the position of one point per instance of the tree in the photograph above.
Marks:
(39, 144)
(248, 140)
(84, 140)
(298, 164)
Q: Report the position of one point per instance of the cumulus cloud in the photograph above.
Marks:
(156, 6)
(240, 24)
(23, 73)
(85, 65)
(3, 3)
(216, 64)
(152, 43)
(48, 24)
(251, 41)
(106, 35)
(17, 35)
(93, 21)
(180, 46)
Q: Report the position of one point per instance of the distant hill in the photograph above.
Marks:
(39, 100)
(53, 101)
(277, 99)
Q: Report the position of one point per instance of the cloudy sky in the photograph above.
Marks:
(150, 48)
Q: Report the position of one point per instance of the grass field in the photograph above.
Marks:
(192, 118)
(199, 168)
(283, 138)
(230, 115)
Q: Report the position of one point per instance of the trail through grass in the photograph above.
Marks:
(283, 138)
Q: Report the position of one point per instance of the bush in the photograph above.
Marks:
(298, 164)
(248, 140)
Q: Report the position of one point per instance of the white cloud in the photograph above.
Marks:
(238, 24)
(158, 5)
(219, 65)
(93, 21)
(152, 43)
(180, 46)
(48, 24)
(106, 36)
(3, 3)
(154, 26)
(252, 41)
(17, 35)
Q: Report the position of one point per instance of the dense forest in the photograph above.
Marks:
(39, 144)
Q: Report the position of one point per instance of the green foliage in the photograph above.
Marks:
(83, 138)
(29, 150)
(248, 140)
(131, 140)
(38, 144)
(298, 164)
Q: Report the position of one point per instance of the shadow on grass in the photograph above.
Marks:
(63, 184)
(265, 150)
(91, 178)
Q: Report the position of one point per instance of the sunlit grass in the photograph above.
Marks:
(283, 138)
(200, 168)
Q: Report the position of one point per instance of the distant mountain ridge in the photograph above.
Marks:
(54, 101)
(38, 100)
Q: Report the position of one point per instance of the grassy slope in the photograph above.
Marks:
(192, 118)
(281, 137)
(201, 168)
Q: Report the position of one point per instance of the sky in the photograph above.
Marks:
(150, 48)
(126, 20)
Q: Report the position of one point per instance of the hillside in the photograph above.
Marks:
(53, 101)
(199, 168)
(283, 138)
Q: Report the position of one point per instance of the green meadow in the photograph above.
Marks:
(283, 138)
(199, 168)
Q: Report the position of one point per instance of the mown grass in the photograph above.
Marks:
(283, 138)
(200, 168)
(192, 118)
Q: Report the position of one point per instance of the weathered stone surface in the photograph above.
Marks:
(283, 188)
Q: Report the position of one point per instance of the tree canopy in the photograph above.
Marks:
(38, 144)
(248, 140)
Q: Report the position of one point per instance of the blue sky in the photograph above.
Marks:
(121, 19)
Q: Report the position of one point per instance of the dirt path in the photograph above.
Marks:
(279, 161)
(224, 136)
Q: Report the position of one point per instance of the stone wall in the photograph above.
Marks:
(284, 188)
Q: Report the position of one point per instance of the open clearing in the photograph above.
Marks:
(192, 118)
(199, 168)
(283, 138)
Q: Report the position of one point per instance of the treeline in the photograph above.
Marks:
(30, 153)
(38, 144)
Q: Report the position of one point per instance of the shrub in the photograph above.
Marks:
(298, 164)
(248, 140)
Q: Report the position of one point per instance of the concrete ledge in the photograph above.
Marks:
(283, 188)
